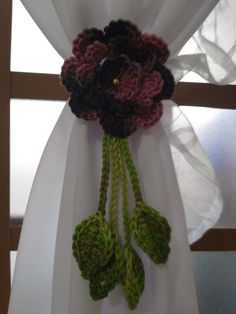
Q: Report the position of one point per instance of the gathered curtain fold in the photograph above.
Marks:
(212, 54)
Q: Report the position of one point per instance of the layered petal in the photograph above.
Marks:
(121, 28)
(85, 73)
(117, 126)
(169, 82)
(86, 38)
(149, 118)
(68, 74)
(151, 86)
(151, 50)
(95, 52)
(83, 105)
(128, 83)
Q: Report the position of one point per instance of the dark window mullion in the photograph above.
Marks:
(5, 82)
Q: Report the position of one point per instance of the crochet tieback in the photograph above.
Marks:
(117, 76)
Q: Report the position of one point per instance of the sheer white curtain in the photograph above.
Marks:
(65, 190)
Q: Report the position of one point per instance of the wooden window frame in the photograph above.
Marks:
(5, 86)
(46, 86)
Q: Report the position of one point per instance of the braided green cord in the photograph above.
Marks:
(125, 213)
(115, 182)
(105, 173)
(115, 172)
(132, 171)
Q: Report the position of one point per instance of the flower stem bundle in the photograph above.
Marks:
(97, 248)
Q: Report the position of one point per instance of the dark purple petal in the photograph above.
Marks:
(111, 69)
(83, 105)
(169, 83)
(117, 126)
(121, 28)
(86, 38)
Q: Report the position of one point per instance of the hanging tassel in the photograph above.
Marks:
(96, 242)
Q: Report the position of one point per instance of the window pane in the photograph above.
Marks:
(215, 281)
(30, 50)
(215, 285)
(216, 131)
(31, 124)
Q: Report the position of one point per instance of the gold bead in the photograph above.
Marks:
(115, 81)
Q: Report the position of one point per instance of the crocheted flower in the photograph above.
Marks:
(117, 76)
(152, 232)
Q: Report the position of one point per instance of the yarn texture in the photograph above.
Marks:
(101, 257)
(117, 76)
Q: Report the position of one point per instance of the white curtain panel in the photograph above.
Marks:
(176, 176)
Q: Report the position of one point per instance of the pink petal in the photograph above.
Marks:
(128, 85)
(85, 73)
(96, 52)
(151, 86)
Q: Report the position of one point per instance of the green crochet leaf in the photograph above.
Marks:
(151, 231)
(105, 280)
(133, 277)
(109, 276)
(93, 244)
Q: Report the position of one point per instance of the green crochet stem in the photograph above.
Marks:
(114, 183)
(105, 174)
(116, 151)
(114, 197)
(125, 212)
(132, 171)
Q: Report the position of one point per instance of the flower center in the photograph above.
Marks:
(115, 81)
